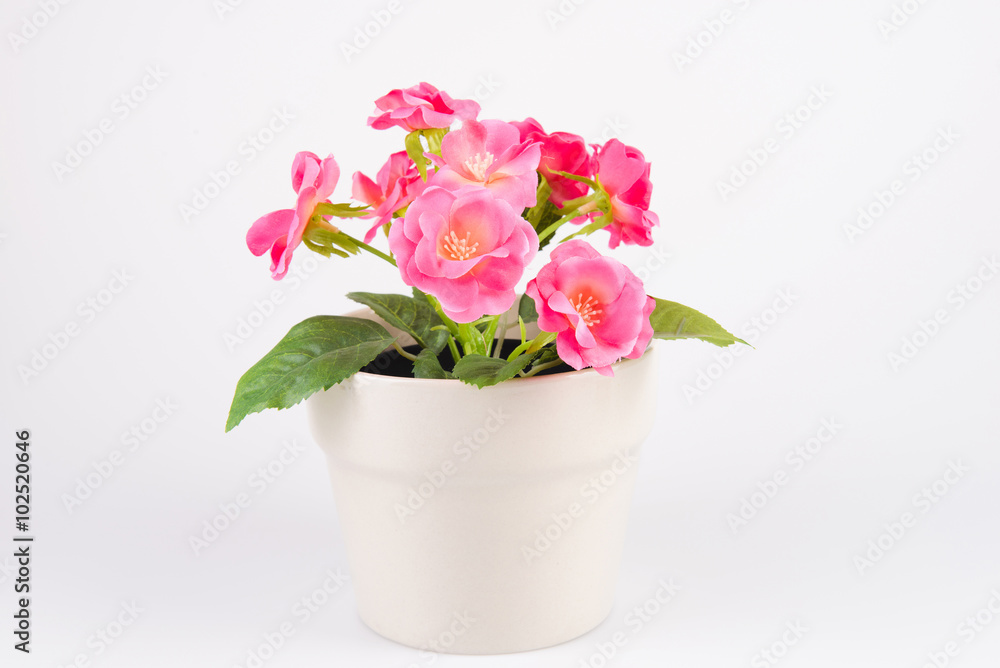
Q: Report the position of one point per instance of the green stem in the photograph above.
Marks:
(471, 338)
(374, 251)
(448, 322)
(543, 338)
(455, 355)
(542, 367)
(466, 333)
(551, 229)
(588, 206)
(541, 201)
(501, 338)
(399, 349)
(490, 332)
(578, 202)
(517, 351)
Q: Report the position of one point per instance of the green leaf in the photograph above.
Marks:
(543, 208)
(344, 210)
(482, 371)
(415, 149)
(330, 239)
(671, 320)
(325, 251)
(576, 177)
(427, 365)
(414, 316)
(315, 355)
(547, 354)
(599, 223)
(548, 215)
(434, 137)
(526, 309)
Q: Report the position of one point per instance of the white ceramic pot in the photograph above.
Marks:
(485, 521)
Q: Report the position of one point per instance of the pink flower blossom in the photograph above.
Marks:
(489, 154)
(398, 182)
(598, 308)
(623, 174)
(281, 231)
(466, 247)
(561, 152)
(421, 107)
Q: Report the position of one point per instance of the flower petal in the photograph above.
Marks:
(268, 229)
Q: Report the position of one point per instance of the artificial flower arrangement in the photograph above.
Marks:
(464, 211)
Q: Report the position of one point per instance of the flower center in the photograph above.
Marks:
(459, 249)
(587, 309)
(478, 164)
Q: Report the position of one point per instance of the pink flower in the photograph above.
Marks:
(489, 154)
(598, 308)
(398, 182)
(421, 107)
(281, 231)
(466, 247)
(623, 174)
(561, 152)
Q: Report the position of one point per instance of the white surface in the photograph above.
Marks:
(608, 68)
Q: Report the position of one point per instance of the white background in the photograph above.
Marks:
(599, 69)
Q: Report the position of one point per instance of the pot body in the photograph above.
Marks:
(485, 521)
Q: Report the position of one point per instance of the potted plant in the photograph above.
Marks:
(481, 444)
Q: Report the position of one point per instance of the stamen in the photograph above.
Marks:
(459, 249)
(587, 309)
(478, 164)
